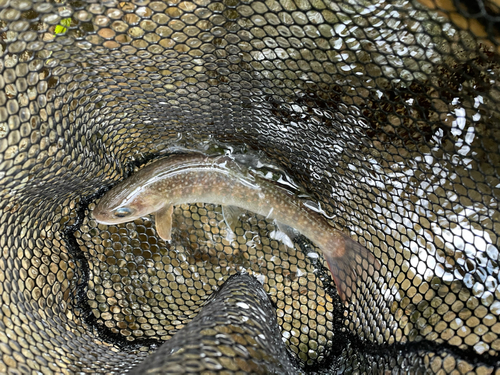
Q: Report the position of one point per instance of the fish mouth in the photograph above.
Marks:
(103, 220)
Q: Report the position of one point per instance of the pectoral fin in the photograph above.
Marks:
(163, 219)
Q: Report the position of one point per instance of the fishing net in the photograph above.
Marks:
(385, 113)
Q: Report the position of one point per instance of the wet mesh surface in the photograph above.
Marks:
(385, 112)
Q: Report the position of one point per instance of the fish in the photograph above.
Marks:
(221, 180)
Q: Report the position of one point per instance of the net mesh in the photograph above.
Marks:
(384, 112)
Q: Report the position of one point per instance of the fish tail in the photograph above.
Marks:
(349, 262)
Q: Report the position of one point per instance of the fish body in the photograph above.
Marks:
(220, 180)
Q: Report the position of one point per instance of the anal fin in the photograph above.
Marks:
(284, 234)
(163, 219)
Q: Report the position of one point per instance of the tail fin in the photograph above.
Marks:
(349, 261)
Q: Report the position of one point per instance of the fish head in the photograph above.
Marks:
(121, 206)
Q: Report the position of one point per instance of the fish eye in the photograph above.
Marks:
(122, 212)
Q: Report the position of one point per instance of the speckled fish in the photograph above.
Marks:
(220, 180)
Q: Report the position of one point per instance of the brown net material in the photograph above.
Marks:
(387, 113)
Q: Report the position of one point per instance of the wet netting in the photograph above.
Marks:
(387, 113)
